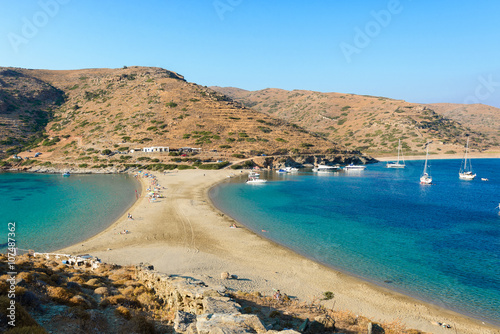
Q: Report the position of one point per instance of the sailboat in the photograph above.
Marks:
(397, 164)
(426, 178)
(465, 172)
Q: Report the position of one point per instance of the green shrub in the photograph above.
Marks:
(83, 165)
(219, 165)
(171, 104)
(52, 142)
(106, 152)
(328, 295)
(181, 167)
(239, 156)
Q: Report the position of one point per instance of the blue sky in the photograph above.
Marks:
(417, 50)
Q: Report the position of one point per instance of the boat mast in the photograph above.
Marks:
(426, 154)
(402, 155)
(466, 149)
(399, 148)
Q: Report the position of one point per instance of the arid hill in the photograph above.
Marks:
(26, 105)
(81, 113)
(374, 124)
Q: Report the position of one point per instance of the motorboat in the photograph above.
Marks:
(291, 169)
(254, 178)
(354, 167)
(326, 169)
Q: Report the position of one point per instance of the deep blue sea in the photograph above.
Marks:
(439, 243)
(52, 211)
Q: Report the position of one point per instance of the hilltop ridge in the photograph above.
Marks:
(374, 124)
(133, 107)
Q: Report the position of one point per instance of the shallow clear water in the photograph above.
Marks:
(439, 243)
(52, 212)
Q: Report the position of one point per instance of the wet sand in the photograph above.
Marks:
(184, 234)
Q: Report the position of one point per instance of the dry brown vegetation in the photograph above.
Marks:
(136, 107)
(62, 299)
(374, 124)
(56, 298)
(288, 313)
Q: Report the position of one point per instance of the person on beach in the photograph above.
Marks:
(277, 295)
(129, 216)
(234, 226)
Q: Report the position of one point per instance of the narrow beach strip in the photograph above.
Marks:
(182, 233)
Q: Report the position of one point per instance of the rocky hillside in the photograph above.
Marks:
(84, 113)
(26, 106)
(374, 124)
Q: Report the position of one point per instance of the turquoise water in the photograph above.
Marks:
(52, 212)
(439, 243)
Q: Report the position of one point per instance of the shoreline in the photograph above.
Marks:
(172, 235)
(439, 156)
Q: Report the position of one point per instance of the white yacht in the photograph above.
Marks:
(354, 167)
(426, 178)
(399, 163)
(465, 172)
(254, 178)
(326, 169)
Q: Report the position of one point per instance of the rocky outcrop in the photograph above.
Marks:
(200, 309)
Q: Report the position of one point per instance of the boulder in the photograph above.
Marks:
(327, 321)
(183, 321)
(225, 275)
(229, 323)
(220, 305)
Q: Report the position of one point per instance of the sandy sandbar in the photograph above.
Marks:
(184, 234)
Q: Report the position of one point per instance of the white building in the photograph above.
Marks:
(155, 149)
